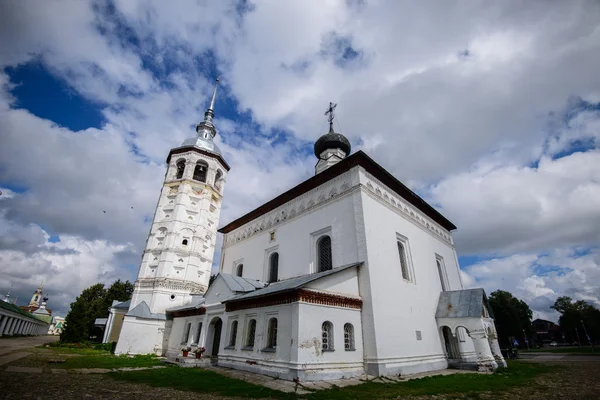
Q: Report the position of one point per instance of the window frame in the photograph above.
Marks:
(403, 241)
(315, 236)
(239, 270)
(198, 333)
(186, 332)
(318, 256)
(250, 337)
(232, 337)
(349, 342)
(442, 273)
(327, 330)
(271, 342)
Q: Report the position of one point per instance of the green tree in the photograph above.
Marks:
(92, 303)
(573, 315)
(511, 316)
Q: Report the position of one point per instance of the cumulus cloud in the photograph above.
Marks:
(478, 106)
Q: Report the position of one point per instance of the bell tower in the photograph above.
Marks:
(36, 298)
(178, 256)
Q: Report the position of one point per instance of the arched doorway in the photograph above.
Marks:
(214, 336)
(451, 344)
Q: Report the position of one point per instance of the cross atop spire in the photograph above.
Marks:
(330, 115)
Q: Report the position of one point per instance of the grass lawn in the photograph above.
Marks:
(91, 358)
(198, 380)
(574, 350)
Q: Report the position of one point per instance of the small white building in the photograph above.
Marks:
(347, 273)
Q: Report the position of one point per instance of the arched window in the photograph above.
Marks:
(251, 333)
(348, 337)
(403, 264)
(233, 334)
(198, 332)
(218, 178)
(200, 171)
(184, 242)
(180, 169)
(239, 270)
(274, 267)
(186, 333)
(327, 336)
(272, 334)
(324, 253)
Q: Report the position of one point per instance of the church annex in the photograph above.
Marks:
(347, 273)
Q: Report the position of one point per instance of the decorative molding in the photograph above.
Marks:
(170, 284)
(299, 295)
(305, 203)
(403, 208)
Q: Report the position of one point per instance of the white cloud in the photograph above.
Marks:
(456, 99)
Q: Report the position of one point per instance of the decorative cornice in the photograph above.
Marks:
(305, 203)
(401, 207)
(170, 284)
(299, 295)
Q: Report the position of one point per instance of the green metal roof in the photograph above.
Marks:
(16, 309)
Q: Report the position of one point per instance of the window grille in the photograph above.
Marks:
(274, 267)
(403, 263)
(240, 270)
(200, 171)
(348, 337)
(233, 334)
(327, 336)
(324, 254)
(251, 333)
(272, 334)
(180, 169)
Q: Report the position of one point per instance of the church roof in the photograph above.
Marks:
(240, 284)
(17, 310)
(143, 311)
(194, 304)
(462, 303)
(289, 284)
(121, 304)
(357, 159)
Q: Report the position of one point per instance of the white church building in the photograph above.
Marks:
(347, 273)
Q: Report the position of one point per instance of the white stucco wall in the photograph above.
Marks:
(315, 364)
(400, 308)
(143, 336)
(295, 236)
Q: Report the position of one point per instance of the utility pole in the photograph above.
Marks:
(526, 341)
(588, 337)
(578, 340)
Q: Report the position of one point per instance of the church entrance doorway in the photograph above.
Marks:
(216, 326)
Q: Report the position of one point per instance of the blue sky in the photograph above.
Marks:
(502, 140)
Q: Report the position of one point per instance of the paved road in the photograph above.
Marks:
(14, 348)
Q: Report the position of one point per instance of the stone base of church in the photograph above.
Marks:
(143, 336)
(406, 365)
(291, 371)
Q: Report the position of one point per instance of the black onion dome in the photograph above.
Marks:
(332, 140)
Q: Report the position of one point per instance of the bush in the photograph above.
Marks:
(106, 346)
